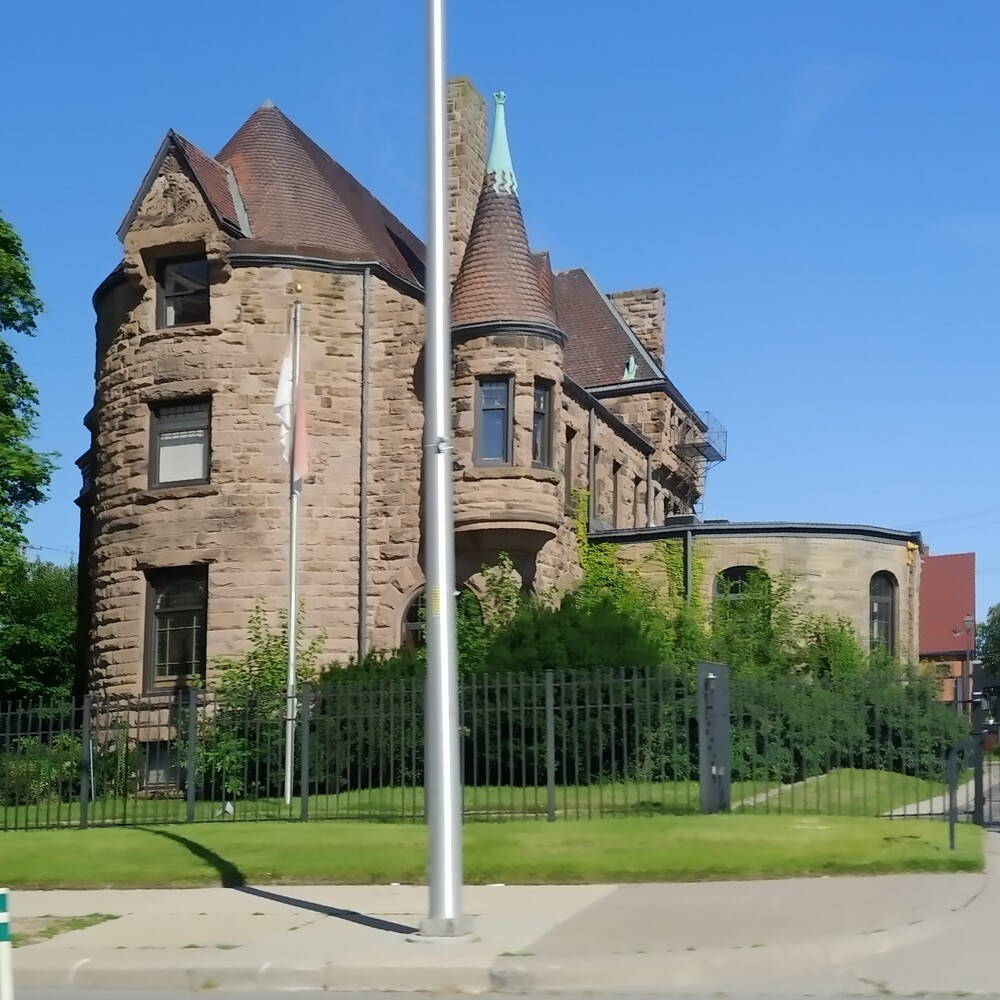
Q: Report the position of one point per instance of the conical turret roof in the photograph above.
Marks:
(498, 281)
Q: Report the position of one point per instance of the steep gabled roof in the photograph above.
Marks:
(211, 177)
(599, 342)
(300, 200)
(275, 190)
(499, 279)
(947, 595)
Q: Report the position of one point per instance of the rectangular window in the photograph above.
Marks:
(637, 516)
(181, 443)
(594, 477)
(177, 613)
(568, 468)
(182, 292)
(493, 422)
(616, 477)
(541, 426)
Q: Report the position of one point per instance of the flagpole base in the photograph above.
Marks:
(444, 930)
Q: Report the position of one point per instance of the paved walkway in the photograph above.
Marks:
(705, 937)
(937, 806)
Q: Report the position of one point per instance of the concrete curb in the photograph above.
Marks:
(456, 979)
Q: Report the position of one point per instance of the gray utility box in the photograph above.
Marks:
(714, 737)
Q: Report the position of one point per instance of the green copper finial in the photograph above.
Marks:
(630, 369)
(499, 162)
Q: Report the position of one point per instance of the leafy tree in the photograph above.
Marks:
(988, 640)
(241, 742)
(37, 632)
(24, 472)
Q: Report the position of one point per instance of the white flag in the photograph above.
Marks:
(289, 405)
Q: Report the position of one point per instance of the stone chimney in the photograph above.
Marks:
(643, 309)
(466, 163)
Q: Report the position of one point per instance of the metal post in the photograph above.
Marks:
(550, 744)
(978, 735)
(442, 776)
(305, 698)
(192, 738)
(6, 950)
(293, 564)
(86, 774)
(952, 796)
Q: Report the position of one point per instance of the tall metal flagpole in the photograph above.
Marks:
(293, 564)
(443, 789)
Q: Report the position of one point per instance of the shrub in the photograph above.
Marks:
(33, 772)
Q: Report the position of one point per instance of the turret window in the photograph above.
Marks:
(182, 292)
(494, 413)
(180, 435)
(541, 426)
(177, 607)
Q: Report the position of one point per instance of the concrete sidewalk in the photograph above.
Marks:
(937, 806)
(689, 937)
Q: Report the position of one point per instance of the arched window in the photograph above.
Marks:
(413, 633)
(882, 600)
(738, 582)
(414, 626)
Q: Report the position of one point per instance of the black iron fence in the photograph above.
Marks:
(552, 746)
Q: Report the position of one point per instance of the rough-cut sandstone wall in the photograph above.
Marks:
(832, 573)
(395, 574)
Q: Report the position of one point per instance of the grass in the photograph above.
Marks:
(845, 792)
(45, 928)
(665, 848)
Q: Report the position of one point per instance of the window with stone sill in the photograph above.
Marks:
(180, 443)
(541, 426)
(494, 427)
(568, 468)
(616, 477)
(182, 292)
(176, 626)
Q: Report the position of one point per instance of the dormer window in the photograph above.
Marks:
(182, 292)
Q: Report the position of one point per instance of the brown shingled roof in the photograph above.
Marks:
(598, 341)
(300, 200)
(212, 177)
(498, 281)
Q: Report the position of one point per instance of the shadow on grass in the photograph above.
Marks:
(232, 878)
(229, 875)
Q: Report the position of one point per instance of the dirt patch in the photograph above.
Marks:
(31, 930)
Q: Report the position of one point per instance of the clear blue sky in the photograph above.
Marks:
(816, 185)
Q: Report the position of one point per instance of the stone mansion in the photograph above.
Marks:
(558, 387)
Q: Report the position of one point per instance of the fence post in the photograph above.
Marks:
(550, 745)
(6, 953)
(952, 796)
(86, 776)
(305, 697)
(192, 736)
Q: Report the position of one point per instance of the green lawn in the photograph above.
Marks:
(664, 848)
(844, 792)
